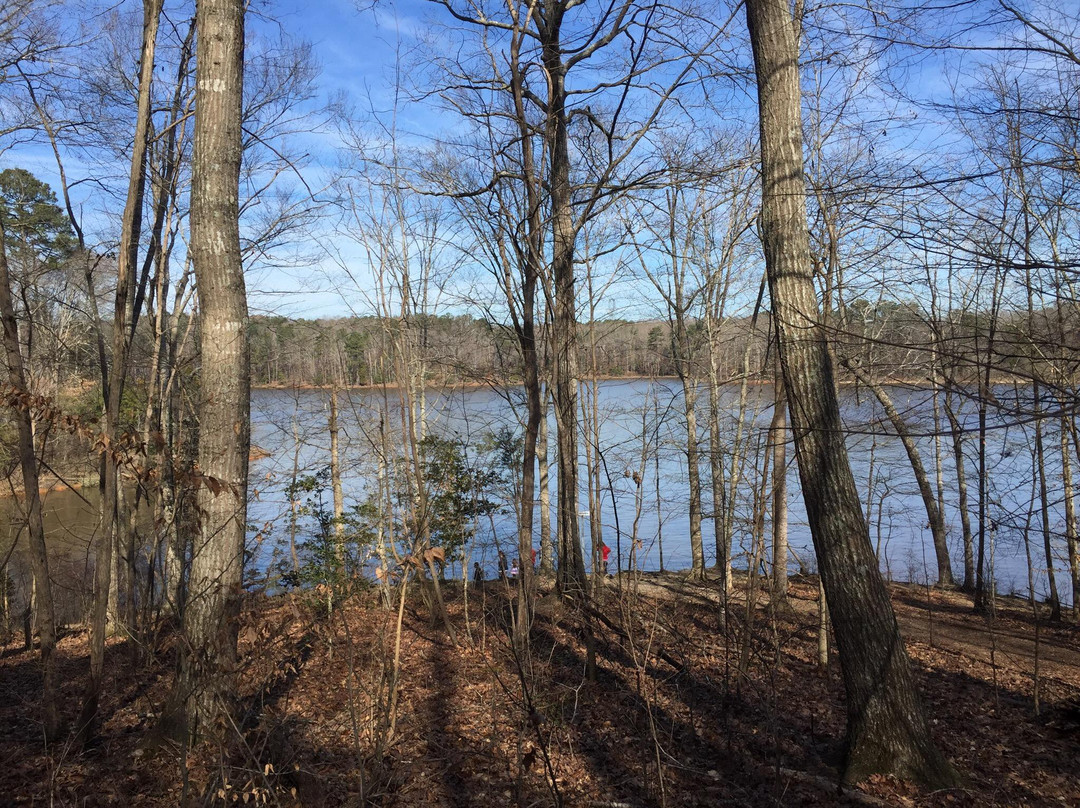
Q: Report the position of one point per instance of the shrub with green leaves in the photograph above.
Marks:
(333, 551)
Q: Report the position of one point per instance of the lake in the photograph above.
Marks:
(637, 416)
(292, 425)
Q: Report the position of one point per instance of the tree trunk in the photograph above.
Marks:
(681, 349)
(984, 592)
(204, 686)
(1044, 502)
(1069, 496)
(20, 404)
(823, 626)
(123, 319)
(717, 479)
(534, 446)
(887, 730)
(778, 436)
(571, 573)
(335, 478)
(933, 514)
(547, 555)
(962, 493)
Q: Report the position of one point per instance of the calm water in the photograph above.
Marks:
(636, 417)
(629, 410)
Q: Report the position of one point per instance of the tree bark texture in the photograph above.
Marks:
(208, 661)
(887, 730)
(571, 574)
(531, 259)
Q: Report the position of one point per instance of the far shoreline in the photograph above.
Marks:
(917, 384)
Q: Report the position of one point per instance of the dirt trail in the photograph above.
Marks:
(945, 622)
(950, 624)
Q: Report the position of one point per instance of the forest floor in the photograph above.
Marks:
(685, 709)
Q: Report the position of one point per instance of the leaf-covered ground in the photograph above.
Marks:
(686, 708)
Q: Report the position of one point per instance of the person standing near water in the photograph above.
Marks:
(477, 573)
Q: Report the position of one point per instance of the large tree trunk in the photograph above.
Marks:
(525, 326)
(887, 730)
(21, 409)
(204, 686)
(571, 574)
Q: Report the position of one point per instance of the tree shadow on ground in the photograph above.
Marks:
(476, 721)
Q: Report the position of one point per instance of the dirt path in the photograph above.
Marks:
(946, 622)
(950, 624)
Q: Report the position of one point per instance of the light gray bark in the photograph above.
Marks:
(204, 685)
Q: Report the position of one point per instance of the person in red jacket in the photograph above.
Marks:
(605, 551)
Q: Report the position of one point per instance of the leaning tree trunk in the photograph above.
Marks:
(887, 730)
(933, 513)
(204, 686)
(19, 400)
(123, 317)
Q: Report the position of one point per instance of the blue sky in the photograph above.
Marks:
(356, 45)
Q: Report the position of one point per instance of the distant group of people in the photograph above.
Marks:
(510, 570)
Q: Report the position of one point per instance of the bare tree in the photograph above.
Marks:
(887, 731)
(655, 51)
(683, 214)
(934, 516)
(113, 522)
(203, 689)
